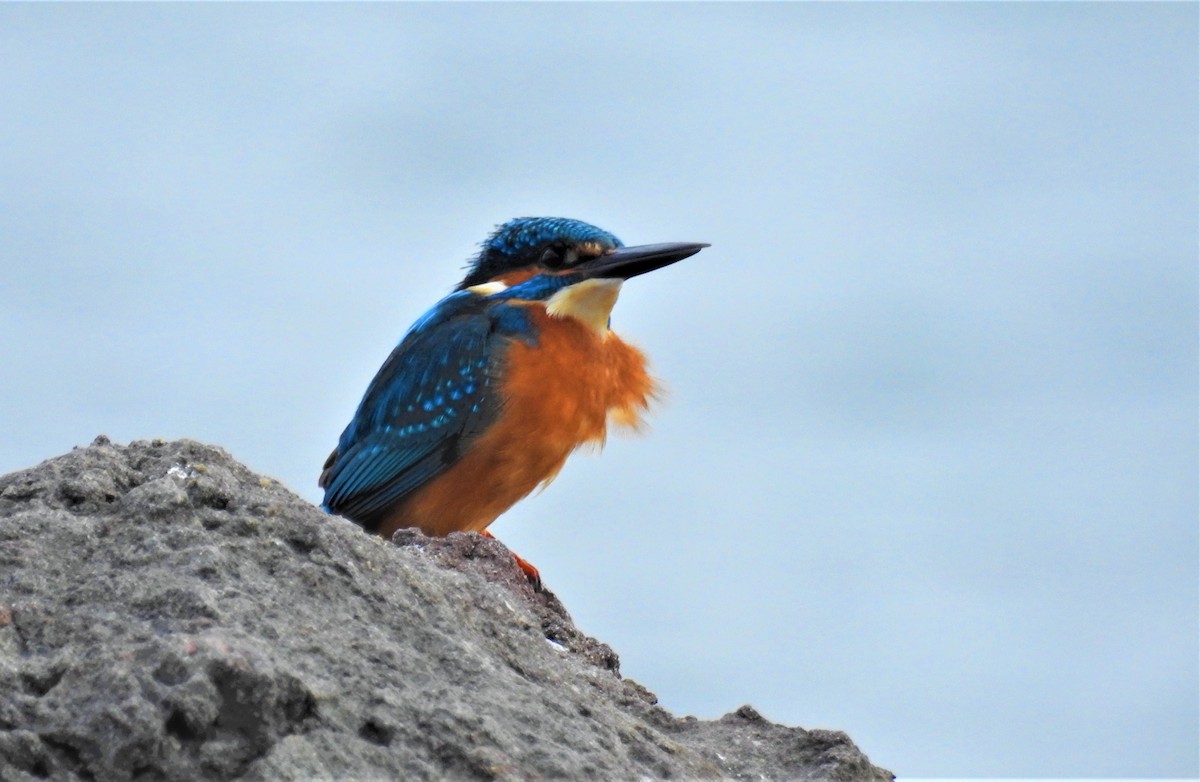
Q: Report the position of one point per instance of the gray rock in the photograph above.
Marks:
(166, 614)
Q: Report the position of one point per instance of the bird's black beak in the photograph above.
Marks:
(626, 262)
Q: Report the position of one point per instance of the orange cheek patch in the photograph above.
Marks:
(516, 278)
(589, 249)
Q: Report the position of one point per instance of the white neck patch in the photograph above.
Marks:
(488, 288)
(590, 301)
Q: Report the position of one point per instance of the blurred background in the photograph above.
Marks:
(927, 470)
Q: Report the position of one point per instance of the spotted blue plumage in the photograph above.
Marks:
(429, 399)
(520, 234)
(435, 392)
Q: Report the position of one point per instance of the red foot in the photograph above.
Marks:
(531, 573)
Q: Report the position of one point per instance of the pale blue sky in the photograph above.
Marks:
(927, 471)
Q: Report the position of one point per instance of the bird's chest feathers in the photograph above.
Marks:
(567, 386)
(590, 302)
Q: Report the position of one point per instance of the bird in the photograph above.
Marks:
(490, 391)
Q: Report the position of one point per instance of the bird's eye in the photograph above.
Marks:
(553, 258)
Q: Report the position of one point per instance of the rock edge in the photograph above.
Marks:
(167, 614)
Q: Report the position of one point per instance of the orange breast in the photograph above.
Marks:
(557, 395)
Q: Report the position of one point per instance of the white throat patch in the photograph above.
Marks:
(590, 301)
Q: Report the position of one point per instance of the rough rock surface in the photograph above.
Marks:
(166, 614)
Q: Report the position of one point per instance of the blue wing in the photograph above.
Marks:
(435, 392)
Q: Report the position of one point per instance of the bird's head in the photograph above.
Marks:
(568, 263)
(528, 247)
(574, 267)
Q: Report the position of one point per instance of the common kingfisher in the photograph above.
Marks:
(492, 389)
